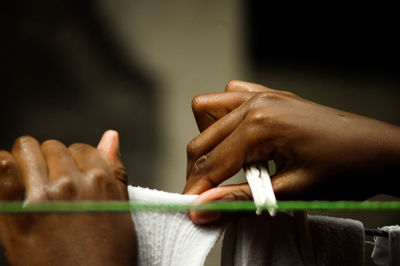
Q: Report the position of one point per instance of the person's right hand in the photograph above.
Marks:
(51, 171)
(320, 152)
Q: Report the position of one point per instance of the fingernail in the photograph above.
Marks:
(206, 217)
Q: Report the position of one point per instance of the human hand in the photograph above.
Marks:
(50, 172)
(320, 152)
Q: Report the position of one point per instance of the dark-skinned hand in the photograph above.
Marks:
(49, 172)
(319, 152)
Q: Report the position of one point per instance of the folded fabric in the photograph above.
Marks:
(170, 238)
(265, 240)
(387, 249)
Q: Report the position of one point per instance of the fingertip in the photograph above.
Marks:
(231, 85)
(23, 142)
(109, 143)
(224, 193)
(7, 162)
(207, 217)
(110, 134)
(216, 193)
(244, 86)
(204, 217)
(11, 185)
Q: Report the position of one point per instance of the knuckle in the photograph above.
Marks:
(230, 85)
(7, 163)
(200, 164)
(23, 140)
(50, 142)
(62, 188)
(97, 176)
(100, 180)
(38, 194)
(267, 96)
(197, 103)
(260, 126)
(192, 149)
(258, 116)
(288, 93)
(78, 145)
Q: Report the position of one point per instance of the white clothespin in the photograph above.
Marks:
(261, 188)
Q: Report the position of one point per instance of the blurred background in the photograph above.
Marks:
(73, 69)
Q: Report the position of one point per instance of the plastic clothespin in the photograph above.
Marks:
(261, 188)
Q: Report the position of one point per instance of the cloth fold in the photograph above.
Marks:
(265, 240)
(170, 238)
(387, 249)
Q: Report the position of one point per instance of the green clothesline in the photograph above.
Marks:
(120, 206)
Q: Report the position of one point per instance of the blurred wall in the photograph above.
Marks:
(66, 78)
(190, 47)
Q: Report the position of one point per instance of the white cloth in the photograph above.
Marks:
(265, 240)
(387, 249)
(170, 238)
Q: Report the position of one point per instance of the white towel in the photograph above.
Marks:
(265, 240)
(170, 238)
(387, 249)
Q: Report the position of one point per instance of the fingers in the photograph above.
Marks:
(216, 166)
(88, 158)
(98, 179)
(225, 193)
(212, 136)
(32, 165)
(243, 86)
(209, 108)
(110, 145)
(229, 156)
(63, 173)
(287, 186)
(60, 162)
(11, 186)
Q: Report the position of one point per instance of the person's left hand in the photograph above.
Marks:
(50, 172)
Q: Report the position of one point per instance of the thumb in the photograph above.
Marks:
(287, 186)
(293, 185)
(109, 145)
(225, 193)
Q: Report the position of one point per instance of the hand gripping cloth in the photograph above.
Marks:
(170, 237)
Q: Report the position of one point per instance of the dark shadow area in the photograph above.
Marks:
(66, 78)
(343, 37)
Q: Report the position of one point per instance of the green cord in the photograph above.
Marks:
(123, 206)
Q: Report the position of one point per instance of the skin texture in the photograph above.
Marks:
(320, 152)
(51, 171)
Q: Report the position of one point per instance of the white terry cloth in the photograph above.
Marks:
(387, 249)
(170, 238)
(265, 240)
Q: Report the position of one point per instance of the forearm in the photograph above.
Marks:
(389, 160)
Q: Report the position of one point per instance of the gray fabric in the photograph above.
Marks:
(273, 241)
(387, 249)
